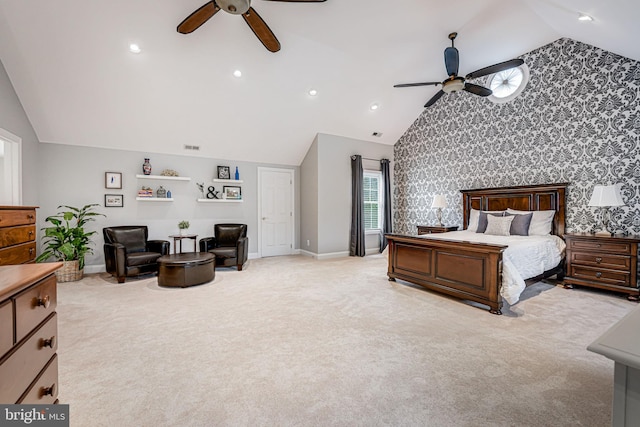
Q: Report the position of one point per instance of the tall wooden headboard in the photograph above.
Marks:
(523, 198)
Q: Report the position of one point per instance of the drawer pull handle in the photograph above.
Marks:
(599, 245)
(598, 260)
(44, 301)
(598, 275)
(30, 251)
(30, 216)
(49, 391)
(49, 342)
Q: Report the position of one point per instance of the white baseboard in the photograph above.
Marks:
(253, 255)
(368, 251)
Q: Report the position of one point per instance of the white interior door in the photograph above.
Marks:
(275, 211)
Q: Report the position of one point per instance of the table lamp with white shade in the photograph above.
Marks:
(439, 202)
(604, 197)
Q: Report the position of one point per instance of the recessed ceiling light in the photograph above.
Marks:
(134, 48)
(374, 107)
(237, 73)
(313, 92)
(584, 17)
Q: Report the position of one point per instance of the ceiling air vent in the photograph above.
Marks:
(192, 147)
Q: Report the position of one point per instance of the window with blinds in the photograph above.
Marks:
(372, 200)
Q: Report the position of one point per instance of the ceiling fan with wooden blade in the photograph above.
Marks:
(455, 83)
(236, 7)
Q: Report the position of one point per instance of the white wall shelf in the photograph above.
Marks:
(220, 200)
(162, 177)
(154, 199)
(229, 181)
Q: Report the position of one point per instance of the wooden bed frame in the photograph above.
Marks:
(473, 271)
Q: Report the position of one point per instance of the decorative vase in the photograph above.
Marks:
(237, 174)
(146, 167)
(161, 193)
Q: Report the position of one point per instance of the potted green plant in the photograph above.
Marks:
(67, 240)
(183, 226)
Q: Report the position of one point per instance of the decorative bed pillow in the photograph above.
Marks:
(520, 224)
(473, 220)
(541, 221)
(482, 219)
(499, 225)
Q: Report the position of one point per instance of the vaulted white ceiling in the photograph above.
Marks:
(70, 65)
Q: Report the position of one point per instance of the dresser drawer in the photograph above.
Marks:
(25, 363)
(33, 305)
(600, 246)
(15, 235)
(6, 327)
(602, 275)
(19, 254)
(11, 217)
(44, 390)
(615, 262)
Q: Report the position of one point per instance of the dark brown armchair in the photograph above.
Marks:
(128, 252)
(230, 244)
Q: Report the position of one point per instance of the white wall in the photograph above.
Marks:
(14, 119)
(71, 175)
(334, 191)
(309, 200)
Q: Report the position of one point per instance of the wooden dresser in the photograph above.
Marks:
(605, 262)
(17, 234)
(28, 334)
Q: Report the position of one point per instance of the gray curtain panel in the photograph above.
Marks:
(356, 240)
(386, 208)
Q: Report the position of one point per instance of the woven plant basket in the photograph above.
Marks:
(69, 272)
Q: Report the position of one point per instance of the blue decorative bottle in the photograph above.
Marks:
(237, 174)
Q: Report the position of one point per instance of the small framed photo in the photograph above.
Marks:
(113, 200)
(112, 180)
(232, 192)
(224, 172)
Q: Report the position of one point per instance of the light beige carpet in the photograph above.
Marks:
(292, 341)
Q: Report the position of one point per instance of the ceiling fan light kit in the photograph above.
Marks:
(236, 7)
(455, 83)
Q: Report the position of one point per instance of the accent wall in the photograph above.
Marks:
(577, 121)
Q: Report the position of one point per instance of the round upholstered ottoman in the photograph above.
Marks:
(190, 269)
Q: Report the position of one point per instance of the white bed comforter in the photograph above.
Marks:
(525, 257)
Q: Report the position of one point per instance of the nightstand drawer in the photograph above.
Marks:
(600, 246)
(44, 389)
(27, 361)
(34, 305)
(602, 275)
(15, 235)
(11, 217)
(18, 254)
(6, 327)
(615, 262)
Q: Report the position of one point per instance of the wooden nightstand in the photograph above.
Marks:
(603, 262)
(430, 229)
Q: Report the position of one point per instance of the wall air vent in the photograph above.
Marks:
(192, 147)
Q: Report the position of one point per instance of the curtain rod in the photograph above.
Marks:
(368, 158)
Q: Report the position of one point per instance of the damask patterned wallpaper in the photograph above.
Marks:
(577, 121)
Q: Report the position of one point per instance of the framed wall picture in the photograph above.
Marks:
(224, 172)
(232, 192)
(112, 180)
(113, 200)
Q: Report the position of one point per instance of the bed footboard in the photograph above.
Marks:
(465, 270)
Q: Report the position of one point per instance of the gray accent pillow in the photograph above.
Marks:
(482, 220)
(520, 224)
(499, 225)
